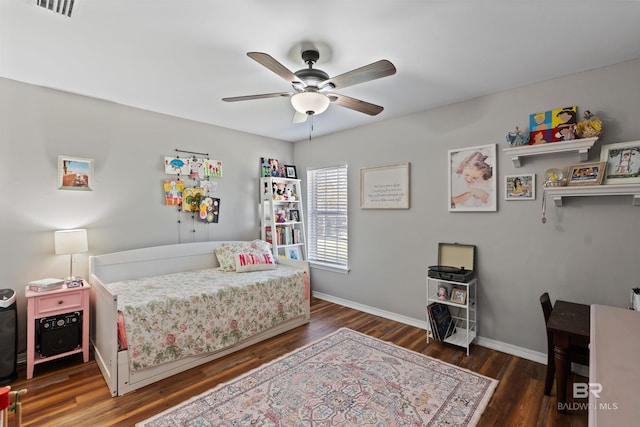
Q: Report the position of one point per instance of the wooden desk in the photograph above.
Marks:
(570, 324)
(613, 367)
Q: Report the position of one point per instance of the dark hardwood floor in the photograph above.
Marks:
(69, 393)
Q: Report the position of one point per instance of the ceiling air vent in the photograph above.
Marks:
(63, 7)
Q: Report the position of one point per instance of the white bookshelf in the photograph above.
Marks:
(282, 217)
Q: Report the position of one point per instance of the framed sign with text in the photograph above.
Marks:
(385, 187)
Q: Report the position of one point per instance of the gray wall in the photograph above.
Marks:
(587, 252)
(125, 210)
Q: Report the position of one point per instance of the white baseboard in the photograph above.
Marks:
(514, 350)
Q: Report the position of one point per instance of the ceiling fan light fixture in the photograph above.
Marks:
(310, 102)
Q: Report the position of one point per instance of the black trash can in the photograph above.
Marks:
(8, 336)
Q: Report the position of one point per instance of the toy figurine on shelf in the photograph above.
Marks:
(590, 126)
(443, 293)
(517, 137)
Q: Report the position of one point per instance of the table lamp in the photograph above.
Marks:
(69, 242)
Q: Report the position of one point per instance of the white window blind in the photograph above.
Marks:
(328, 241)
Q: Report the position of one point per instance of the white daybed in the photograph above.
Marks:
(120, 374)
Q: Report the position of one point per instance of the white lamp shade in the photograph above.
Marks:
(310, 102)
(71, 241)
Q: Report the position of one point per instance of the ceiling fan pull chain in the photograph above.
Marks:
(310, 126)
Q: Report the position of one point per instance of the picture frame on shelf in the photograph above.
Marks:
(472, 179)
(520, 187)
(586, 173)
(553, 126)
(294, 215)
(293, 253)
(622, 162)
(290, 171)
(459, 296)
(75, 173)
(271, 168)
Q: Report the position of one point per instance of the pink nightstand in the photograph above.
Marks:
(56, 315)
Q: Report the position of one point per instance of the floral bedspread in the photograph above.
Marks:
(184, 314)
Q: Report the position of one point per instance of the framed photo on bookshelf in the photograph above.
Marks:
(290, 171)
(459, 296)
(271, 168)
(294, 215)
(293, 253)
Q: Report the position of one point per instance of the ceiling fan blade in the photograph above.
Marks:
(264, 95)
(299, 117)
(355, 104)
(376, 70)
(269, 62)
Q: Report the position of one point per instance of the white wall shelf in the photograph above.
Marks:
(558, 193)
(582, 146)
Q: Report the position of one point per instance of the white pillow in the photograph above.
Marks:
(226, 252)
(254, 262)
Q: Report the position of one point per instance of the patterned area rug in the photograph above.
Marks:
(344, 379)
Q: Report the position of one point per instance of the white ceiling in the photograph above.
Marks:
(180, 57)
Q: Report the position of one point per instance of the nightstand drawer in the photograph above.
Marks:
(64, 301)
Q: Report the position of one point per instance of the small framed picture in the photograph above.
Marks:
(271, 168)
(586, 173)
(294, 215)
(623, 162)
(458, 296)
(293, 253)
(290, 171)
(75, 173)
(520, 187)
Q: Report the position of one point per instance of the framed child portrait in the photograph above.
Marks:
(622, 162)
(472, 179)
(520, 187)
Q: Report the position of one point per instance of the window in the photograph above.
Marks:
(327, 212)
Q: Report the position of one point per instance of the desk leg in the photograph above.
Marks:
(561, 343)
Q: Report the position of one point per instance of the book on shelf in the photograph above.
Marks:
(442, 324)
(287, 235)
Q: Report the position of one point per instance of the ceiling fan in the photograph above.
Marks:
(313, 88)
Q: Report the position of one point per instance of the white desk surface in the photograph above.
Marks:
(615, 364)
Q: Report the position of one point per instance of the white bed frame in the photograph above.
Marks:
(154, 261)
